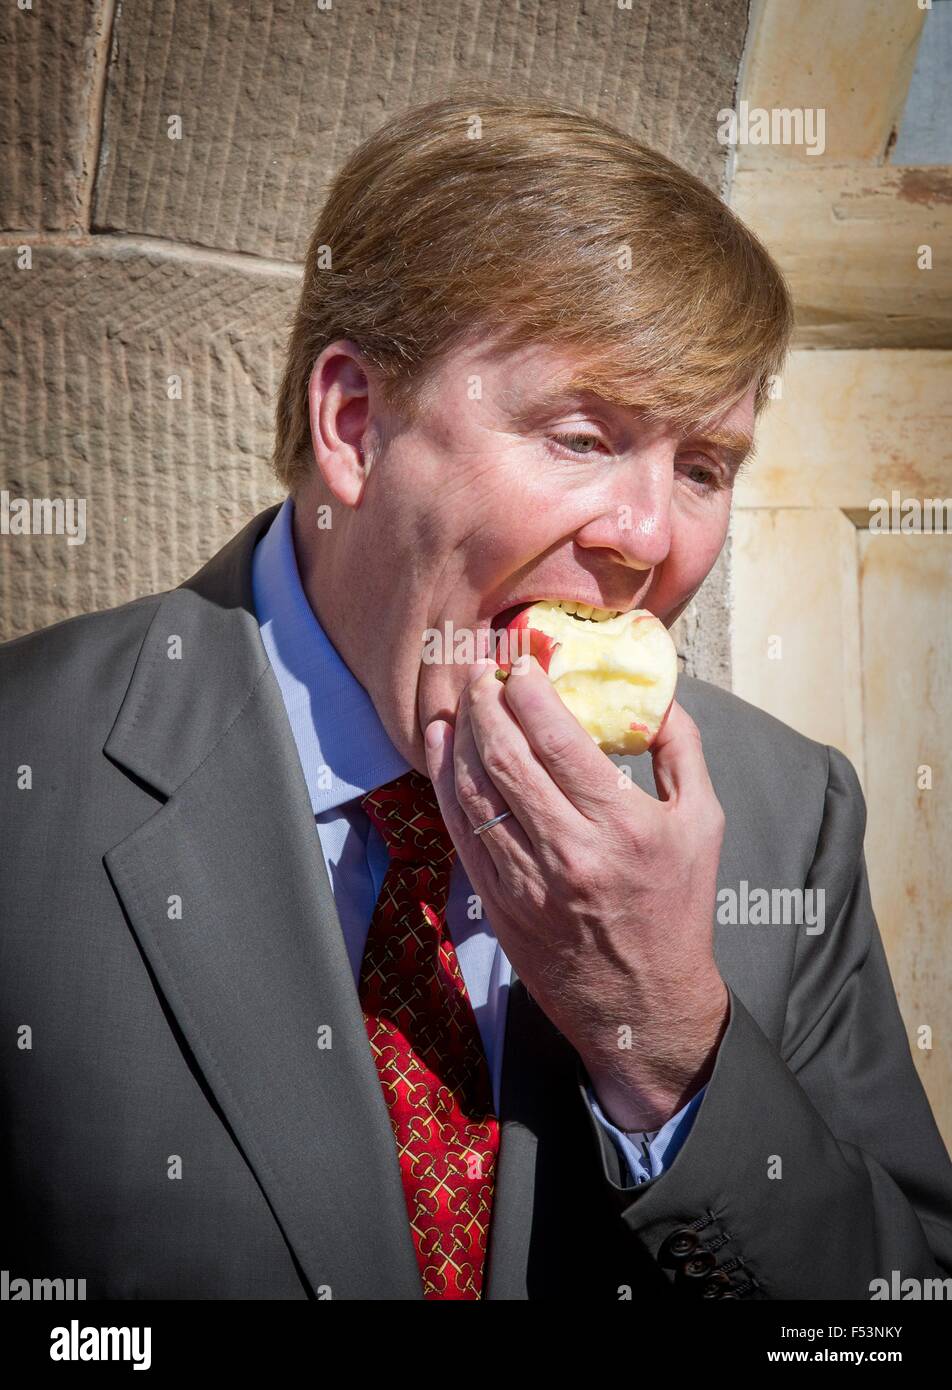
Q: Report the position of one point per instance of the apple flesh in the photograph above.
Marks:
(616, 673)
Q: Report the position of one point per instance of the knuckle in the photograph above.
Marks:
(555, 743)
(714, 817)
(693, 732)
(497, 763)
(686, 719)
(579, 877)
(469, 790)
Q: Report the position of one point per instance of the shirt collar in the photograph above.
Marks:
(343, 747)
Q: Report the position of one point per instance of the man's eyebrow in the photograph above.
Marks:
(529, 408)
(735, 447)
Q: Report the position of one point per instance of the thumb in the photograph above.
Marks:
(677, 759)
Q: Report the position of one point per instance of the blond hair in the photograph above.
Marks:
(538, 224)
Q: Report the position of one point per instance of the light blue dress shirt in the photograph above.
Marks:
(345, 752)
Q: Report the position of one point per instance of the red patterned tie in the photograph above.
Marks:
(426, 1044)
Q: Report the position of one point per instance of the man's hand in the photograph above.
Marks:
(601, 896)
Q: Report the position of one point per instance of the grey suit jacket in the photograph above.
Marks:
(173, 1126)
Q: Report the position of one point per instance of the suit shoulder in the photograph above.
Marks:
(68, 658)
(779, 785)
(749, 736)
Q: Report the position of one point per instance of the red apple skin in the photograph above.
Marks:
(664, 720)
(541, 645)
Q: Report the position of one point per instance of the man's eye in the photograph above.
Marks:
(706, 477)
(572, 441)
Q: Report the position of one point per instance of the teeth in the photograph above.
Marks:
(584, 612)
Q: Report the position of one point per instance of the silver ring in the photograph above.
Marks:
(478, 830)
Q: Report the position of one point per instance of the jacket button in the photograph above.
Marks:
(714, 1285)
(697, 1266)
(677, 1247)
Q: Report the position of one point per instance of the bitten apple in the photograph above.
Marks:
(615, 672)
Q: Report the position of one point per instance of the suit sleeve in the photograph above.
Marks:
(814, 1168)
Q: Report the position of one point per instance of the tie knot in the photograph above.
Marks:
(407, 815)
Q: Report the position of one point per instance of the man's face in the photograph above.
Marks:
(502, 495)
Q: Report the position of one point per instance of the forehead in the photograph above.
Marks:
(530, 384)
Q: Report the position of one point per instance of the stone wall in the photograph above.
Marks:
(147, 280)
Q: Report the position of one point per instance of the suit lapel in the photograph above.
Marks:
(226, 890)
(514, 1191)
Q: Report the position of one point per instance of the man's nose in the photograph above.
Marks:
(633, 521)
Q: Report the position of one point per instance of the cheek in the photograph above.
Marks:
(477, 493)
(705, 540)
(696, 542)
(516, 525)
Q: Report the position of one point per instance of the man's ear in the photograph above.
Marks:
(338, 409)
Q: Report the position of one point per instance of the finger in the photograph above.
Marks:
(490, 738)
(677, 759)
(438, 740)
(476, 788)
(586, 776)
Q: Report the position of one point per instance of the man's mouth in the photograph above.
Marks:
(582, 612)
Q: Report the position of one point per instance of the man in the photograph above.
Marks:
(340, 972)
